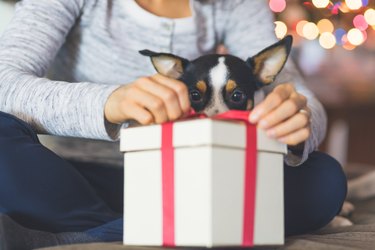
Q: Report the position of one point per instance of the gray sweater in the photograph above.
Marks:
(88, 48)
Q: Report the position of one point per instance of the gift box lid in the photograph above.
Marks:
(197, 132)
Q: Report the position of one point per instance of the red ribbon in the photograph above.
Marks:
(167, 158)
(250, 177)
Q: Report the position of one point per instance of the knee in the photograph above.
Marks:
(329, 173)
(314, 193)
(11, 126)
(16, 136)
(321, 174)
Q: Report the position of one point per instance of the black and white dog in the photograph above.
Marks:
(217, 83)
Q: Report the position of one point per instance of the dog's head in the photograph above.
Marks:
(217, 83)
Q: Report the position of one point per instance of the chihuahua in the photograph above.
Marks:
(217, 83)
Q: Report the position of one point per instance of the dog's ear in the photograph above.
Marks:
(270, 61)
(167, 64)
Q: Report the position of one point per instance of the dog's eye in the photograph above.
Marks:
(195, 96)
(238, 96)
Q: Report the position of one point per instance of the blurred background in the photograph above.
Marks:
(335, 50)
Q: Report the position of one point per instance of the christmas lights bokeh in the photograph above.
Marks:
(345, 23)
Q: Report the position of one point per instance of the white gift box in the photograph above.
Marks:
(208, 186)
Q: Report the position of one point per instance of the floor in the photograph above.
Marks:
(360, 236)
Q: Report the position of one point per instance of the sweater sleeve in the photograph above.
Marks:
(246, 27)
(28, 46)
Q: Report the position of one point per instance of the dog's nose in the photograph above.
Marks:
(216, 111)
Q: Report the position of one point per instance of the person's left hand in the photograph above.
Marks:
(284, 115)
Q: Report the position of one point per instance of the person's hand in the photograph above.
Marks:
(284, 115)
(154, 99)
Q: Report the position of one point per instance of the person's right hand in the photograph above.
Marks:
(154, 99)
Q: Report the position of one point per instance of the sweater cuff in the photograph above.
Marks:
(295, 159)
(113, 130)
(100, 127)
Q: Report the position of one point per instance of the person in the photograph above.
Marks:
(97, 80)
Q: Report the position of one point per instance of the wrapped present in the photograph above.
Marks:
(203, 182)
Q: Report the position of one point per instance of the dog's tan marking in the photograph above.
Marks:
(231, 85)
(201, 86)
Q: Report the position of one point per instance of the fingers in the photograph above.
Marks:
(179, 88)
(296, 137)
(173, 93)
(284, 111)
(293, 124)
(279, 114)
(152, 103)
(154, 99)
(139, 114)
(167, 95)
(272, 101)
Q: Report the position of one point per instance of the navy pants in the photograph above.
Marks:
(42, 191)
